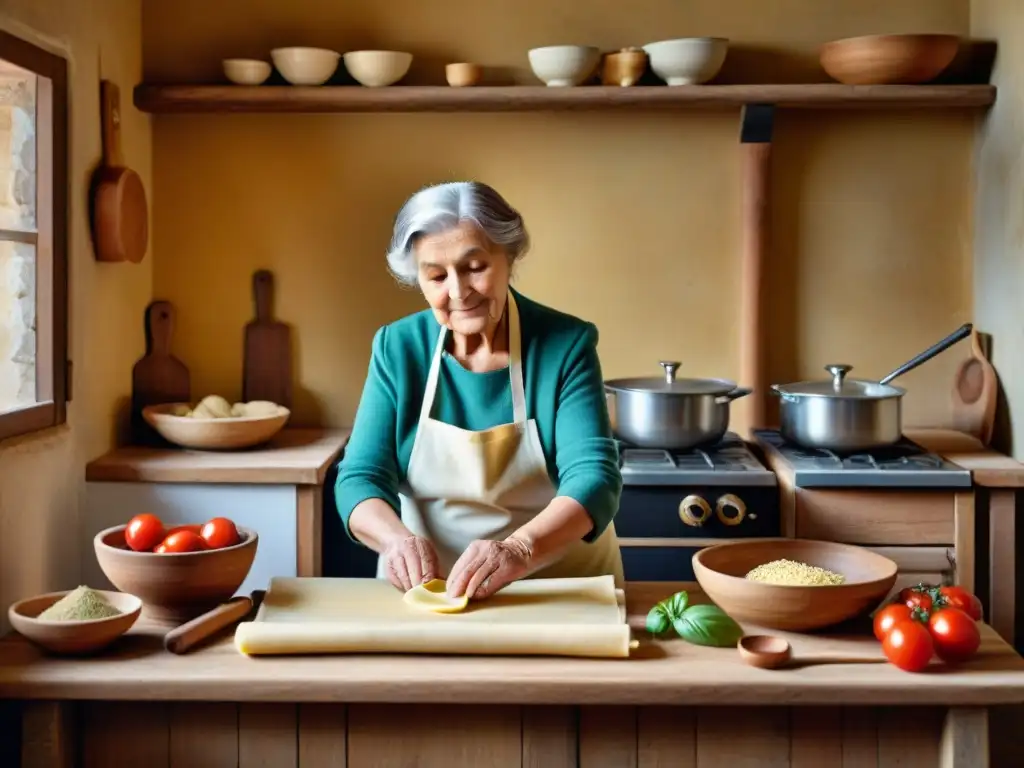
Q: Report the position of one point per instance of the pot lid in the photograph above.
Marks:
(840, 386)
(670, 385)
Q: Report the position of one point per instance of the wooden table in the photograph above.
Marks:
(672, 704)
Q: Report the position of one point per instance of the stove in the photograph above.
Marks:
(728, 462)
(676, 502)
(903, 465)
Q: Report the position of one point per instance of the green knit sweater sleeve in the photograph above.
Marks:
(370, 465)
(586, 455)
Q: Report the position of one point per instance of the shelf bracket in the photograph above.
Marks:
(757, 123)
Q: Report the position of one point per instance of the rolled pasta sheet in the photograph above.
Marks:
(256, 638)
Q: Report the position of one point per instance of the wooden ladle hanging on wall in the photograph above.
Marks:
(120, 217)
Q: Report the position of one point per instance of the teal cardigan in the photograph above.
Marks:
(564, 394)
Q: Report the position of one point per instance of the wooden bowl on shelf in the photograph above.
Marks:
(176, 587)
(213, 434)
(721, 572)
(73, 637)
(889, 59)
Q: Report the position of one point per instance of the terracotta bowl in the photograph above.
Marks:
(73, 637)
(213, 434)
(721, 572)
(175, 588)
(889, 59)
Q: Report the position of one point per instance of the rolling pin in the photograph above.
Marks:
(188, 635)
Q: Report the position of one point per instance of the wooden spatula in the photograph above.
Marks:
(267, 366)
(975, 394)
(158, 376)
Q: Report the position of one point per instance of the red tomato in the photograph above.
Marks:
(909, 645)
(958, 597)
(220, 532)
(182, 541)
(918, 600)
(955, 634)
(889, 616)
(144, 532)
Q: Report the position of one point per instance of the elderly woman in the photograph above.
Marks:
(481, 450)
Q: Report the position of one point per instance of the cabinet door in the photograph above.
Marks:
(270, 510)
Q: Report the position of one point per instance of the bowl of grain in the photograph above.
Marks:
(77, 621)
(793, 584)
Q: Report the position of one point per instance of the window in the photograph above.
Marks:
(33, 238)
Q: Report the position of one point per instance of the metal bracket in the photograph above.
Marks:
(757, 123)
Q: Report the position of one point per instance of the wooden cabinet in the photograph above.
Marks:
(276, 490)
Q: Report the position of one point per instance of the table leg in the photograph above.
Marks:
(965, 738)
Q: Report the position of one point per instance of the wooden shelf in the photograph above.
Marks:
(170, 99)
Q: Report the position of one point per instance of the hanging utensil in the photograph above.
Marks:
(845, 414)
(975, 394)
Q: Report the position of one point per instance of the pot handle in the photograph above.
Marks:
(782, 395)
(670, 366)
(735, 394)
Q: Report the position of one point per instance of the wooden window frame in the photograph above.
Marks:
(50, 239)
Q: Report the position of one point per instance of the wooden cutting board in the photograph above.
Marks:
(158, 376)
(975, 394)
(267, 373)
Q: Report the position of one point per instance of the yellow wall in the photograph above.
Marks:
(634, 217)
(999, 236)
(42, 476)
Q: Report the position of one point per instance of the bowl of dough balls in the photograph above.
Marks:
(215, 424)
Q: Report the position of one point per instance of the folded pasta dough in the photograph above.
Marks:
(257, 638)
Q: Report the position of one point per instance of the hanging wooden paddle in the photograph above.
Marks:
(158, 377)
(120, 218)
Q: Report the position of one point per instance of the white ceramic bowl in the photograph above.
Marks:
(688, 60)
(246, 71)
(305, 66)
(564, 65)
(376, 69)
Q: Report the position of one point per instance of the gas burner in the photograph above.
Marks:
(716, 464)
(904, 465)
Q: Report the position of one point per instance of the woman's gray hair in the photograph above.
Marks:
(442, 207)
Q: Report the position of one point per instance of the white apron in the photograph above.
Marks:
(463, 485)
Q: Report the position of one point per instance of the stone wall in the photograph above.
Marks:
(17, 260)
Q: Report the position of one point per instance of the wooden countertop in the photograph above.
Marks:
(293, 457)
(988, 468)
(659, 673)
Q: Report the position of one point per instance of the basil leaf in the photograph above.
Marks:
(677, 604)
(707, 625)
(658, 620)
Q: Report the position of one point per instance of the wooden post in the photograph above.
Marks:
(756, 127)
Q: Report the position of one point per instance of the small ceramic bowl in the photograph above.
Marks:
(376, 69)
(246, 71)
(687, 60)
(624, 68)
(73, 637)
(305, 66)
(564, 65)
(463, 74)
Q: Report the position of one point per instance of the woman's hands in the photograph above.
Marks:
(487, 566)
(410, 561)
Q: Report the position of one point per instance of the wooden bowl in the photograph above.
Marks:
(175, 587)
(721, 572)
(213, 434)
(889, 59)
(73, 637)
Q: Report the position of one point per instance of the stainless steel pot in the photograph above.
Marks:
(670, 413)
(844, 414)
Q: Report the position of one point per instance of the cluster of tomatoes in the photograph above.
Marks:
(926, 621)
(147, 533)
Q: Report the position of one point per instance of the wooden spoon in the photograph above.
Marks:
(975, 393)
(771, 652)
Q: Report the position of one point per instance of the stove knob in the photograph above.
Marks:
(690, 505)
(723, 506)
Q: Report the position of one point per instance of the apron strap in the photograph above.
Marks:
(515, 368)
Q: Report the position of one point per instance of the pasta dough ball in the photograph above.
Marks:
(260, 408)
(212, 407)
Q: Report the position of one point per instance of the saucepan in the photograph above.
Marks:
(669, 413)
(845, 414)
